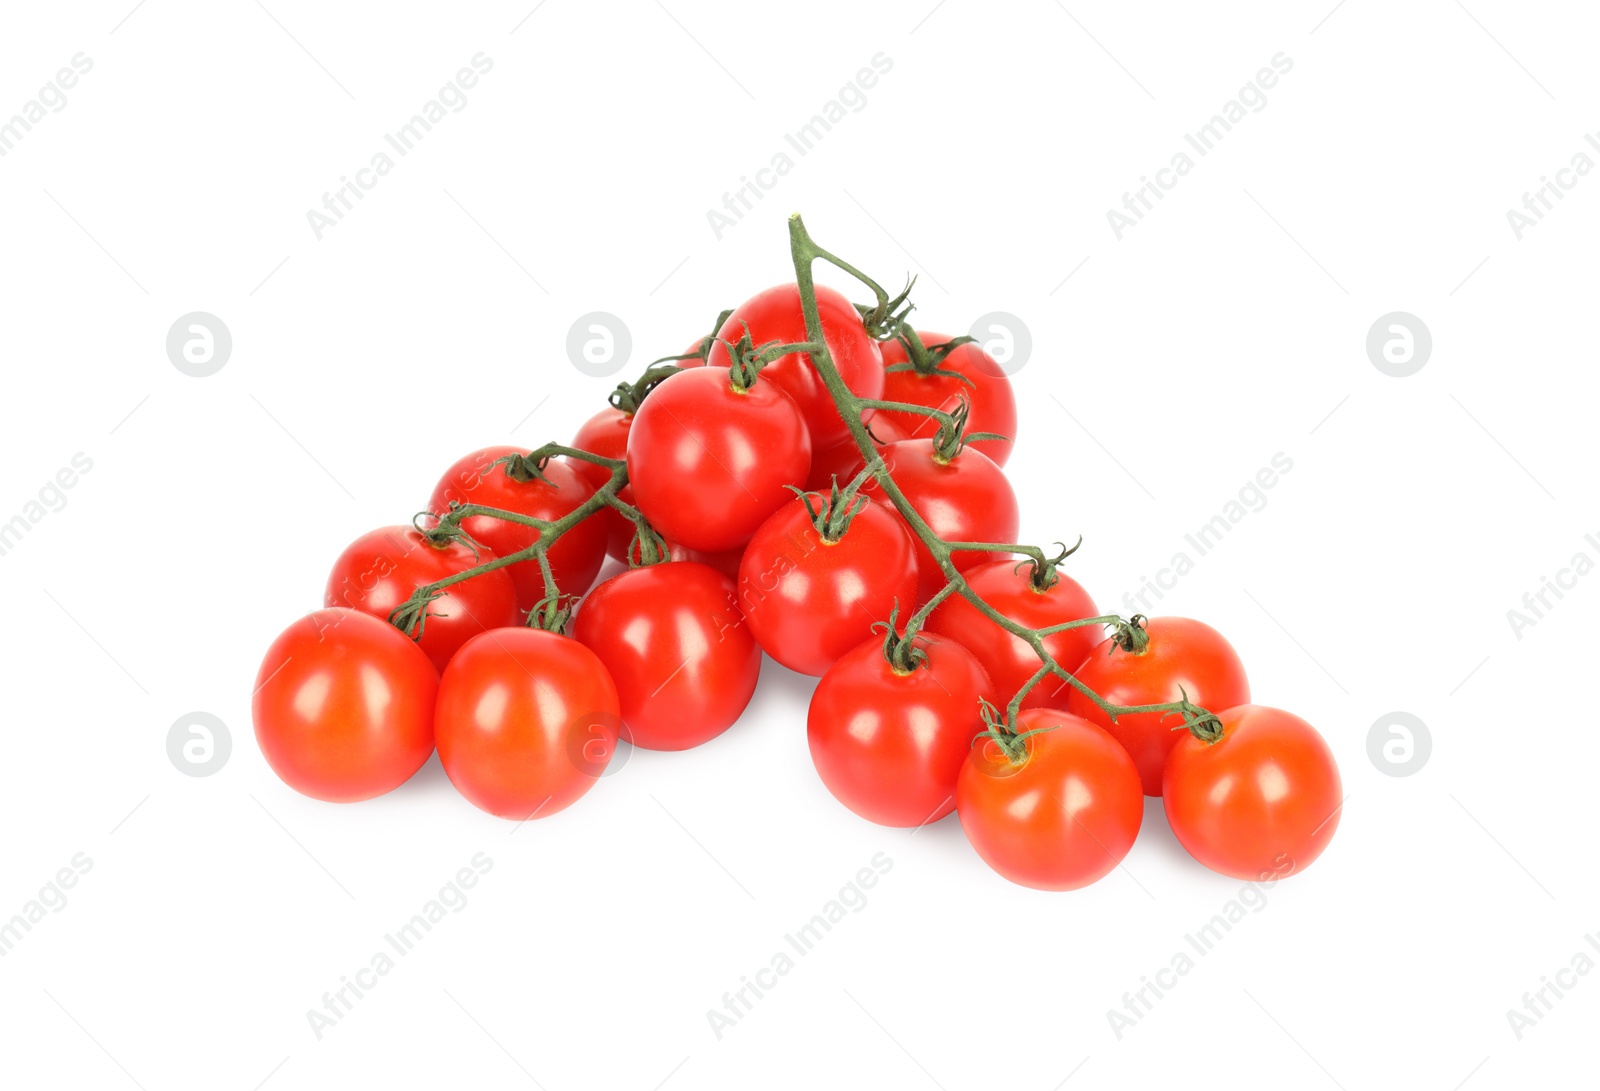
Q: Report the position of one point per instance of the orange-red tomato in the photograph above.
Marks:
(1064, 817)
(526, 721)
(1182, 657)
(343, 706)
(1260, 802)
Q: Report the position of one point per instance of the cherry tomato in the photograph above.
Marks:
(966, 499)
(842, 460)
(379, 571)
(1008, 659)
(709, 462)
(1063, 818)
(673, 640)
(987, 390)
(575, 559)
(606, 434)
(527, 721)
(1182, 657)
(343, 706)
(889, 744)
(809, 600)
(775, 315)
(1261, 801)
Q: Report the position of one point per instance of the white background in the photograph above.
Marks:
(1173, 364)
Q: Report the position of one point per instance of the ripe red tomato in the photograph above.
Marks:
(526, 721)
(890, 744)
(843, 459)
(809, 600)
(343, 706)
(1182, 657)
(993, 405)
(673, 640)
(1260, 802)
(1008, 659)
(775, 315)
(966, 499)
(709, 462)
(575, 559)
(379, 571)
(1063, 818)
(606, 434)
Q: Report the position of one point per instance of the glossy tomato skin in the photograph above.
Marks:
(526, 721)
(343, 706)
(606, 434)
(993, 405)
(1008, 659)
(575, 559)
(1183, 656)
(379, 571)
(774, 315)
(966, 499)
(1262, 802)
(842, 460)
(1062, 819)
(684, 663)
(890, 745)
(709, 463)
(808, 600)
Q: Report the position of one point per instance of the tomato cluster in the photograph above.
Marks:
(822, 484)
